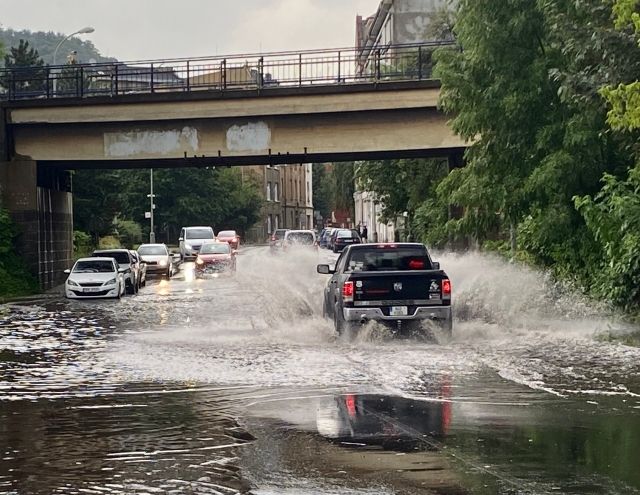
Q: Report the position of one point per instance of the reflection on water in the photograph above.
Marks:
(136, 440)
(393, 423)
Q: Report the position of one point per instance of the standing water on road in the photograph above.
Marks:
(237, 385)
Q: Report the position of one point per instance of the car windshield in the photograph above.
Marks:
(121, 257)
(304, 238)
(279, 234)
(227, 233)
(381, 259)
(199, 233)
(152, 250)
(345, 233)
(96, 266)
(221, 248)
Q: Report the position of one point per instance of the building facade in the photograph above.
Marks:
(395, 22)
(296, 184)
(288, 199)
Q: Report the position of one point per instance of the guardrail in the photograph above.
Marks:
(237, 72)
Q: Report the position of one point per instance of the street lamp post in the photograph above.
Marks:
(84, 30)
(152, 234)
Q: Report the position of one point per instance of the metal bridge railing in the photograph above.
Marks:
(237, 72)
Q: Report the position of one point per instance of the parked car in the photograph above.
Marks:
(344, 237)
(325, 236)
(297, 239)
(157, 258)
(95, 277)
(230, 236)
(191, 238)
(275, 241)
(126, 262)
(397, 285)
(215, 257)
(141, 266)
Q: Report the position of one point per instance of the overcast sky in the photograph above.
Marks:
(149, 29)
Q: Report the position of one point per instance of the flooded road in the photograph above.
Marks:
(237, 385)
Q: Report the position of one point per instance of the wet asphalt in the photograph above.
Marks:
(237, 385)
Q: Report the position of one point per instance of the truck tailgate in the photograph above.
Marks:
(407, 288)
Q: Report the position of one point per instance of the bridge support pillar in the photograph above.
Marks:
(40, 203)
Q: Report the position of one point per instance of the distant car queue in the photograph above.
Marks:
(112, 273)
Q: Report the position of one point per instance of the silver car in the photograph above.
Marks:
(191, 239)
(157, 258)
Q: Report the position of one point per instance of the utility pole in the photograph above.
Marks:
(152, 234)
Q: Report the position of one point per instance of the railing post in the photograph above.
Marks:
(12, 85)
(116, 76)
(377, 62)
(188, 76)
(260, 72)
(299, 69)
(420, 62)
(81, 82)
(48, 86)
(151, 77)
(223, 70)
(339, 63)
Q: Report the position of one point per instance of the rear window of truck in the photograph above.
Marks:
(388, 259)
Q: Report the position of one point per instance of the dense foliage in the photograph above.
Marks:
(46, 44)
(113, 202)
(15, 279)
(547, 93)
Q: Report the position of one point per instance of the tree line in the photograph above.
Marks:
(546, 92)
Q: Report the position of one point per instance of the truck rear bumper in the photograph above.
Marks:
(433, 313)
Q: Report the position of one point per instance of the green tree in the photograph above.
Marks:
(15, 279)
(28, 74)
(497, 89)
(344, 179)
(323, 190)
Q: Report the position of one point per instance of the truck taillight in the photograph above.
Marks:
(446, 287)
(347, 292)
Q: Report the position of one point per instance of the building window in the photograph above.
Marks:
(268, 191)
(269, 224)
(277, 222)
(275, 192)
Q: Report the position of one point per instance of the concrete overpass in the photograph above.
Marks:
(45, 137)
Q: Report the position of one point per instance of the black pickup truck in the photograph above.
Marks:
(395, 284)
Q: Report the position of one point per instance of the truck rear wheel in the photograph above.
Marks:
(342, 327)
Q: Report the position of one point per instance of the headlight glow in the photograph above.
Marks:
(73, 283)
(110, 282)
(162, 263)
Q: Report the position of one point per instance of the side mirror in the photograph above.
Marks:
(123, 270)
(67, 271)
(436, 265)
(324, 270)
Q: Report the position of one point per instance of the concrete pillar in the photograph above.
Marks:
(40, 203)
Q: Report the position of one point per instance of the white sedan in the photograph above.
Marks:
(94, 277)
